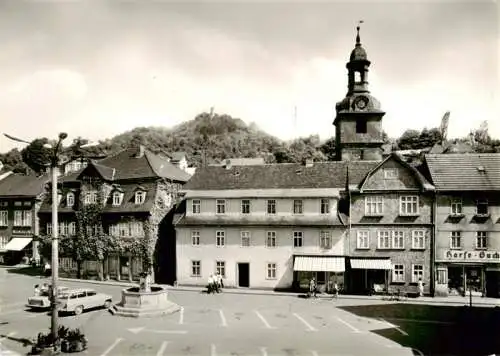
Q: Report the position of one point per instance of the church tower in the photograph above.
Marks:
(358, 123)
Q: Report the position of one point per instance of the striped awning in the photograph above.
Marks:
(366, 263)
(17, 243)
(319, 264)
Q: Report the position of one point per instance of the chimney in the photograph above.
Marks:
(140, 151)
(308, 163)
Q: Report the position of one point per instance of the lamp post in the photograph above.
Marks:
(54, 161)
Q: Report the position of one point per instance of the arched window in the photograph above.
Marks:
(117, 198)
(70, 200)
(140, 197)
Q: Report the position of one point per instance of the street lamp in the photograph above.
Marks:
(54, 161)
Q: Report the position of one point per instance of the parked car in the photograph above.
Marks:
(42, 301)
(77, 300)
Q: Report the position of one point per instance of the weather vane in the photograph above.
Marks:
(357, 28)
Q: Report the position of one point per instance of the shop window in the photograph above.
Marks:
(297, 239)
(398, 273)
(456, 240)
(442, 276)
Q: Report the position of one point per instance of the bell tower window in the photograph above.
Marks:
(357, 77)
(361, 126)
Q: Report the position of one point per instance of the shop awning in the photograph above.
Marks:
(319, 264)
(362, 263)
(17, 243)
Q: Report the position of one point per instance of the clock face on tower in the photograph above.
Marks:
(361, 102)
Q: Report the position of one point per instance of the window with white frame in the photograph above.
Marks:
(271, 206)
(363, 240)
(398, 273)
(140, 197)
(195, 268)
(408, 205)
(90, 197)
(456, 239)
(220, 238)
(195, 237)
(271, 239)
(418, 239)
(18, 203)
(117, 198)
(482, 207)
(64, 228)
(398, 239)
(4, 221)
(245, 238)
(374, 205)
(245, 206)
(59, 198)
(481, 240)
(196, 206)
(48, 229)
(384, 239)
(72, 228)
(4, 240)
(271, 271)
(22, 218)
(297, 206)
(26, 203)
(417, 273)
(4, 204)
(456, 206)
(297, 239)
(220, 206)
(67, 263)
(390, 173)
(325, 240)
(70, 200)
(220, 268)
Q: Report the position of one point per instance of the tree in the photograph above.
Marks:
(328, 149)
(36, 156)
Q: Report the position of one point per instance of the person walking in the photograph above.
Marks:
(220, 283)
(335, 290)
(420, 286)
(312, 287)
(36, 291)
(211, 283)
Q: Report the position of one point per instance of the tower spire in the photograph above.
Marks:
(358, 40)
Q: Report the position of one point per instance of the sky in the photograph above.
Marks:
(97, 68)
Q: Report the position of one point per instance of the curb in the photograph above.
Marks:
(289, 294)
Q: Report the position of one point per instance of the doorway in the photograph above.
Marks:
(244, 275)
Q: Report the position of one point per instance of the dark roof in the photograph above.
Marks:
(464, 172)
(127, 206)
(241, 161)
(127, 164)
(17, 185)
(280, 176)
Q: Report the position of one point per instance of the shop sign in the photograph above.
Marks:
(472, 256)
(22, 232)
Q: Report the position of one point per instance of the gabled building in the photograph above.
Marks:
(20, 199)
(132, 191)
(390, 224)
(467, 222)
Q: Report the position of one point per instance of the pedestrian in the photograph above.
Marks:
(312, 287)
(36, 291)
(210, 286)
(420, 286)
(220, 283)
(335, 290)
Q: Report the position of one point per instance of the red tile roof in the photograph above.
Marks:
(464, 172)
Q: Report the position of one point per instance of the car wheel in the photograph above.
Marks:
(107, 304)
(79, 310)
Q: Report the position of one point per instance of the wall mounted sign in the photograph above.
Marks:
(487, 256)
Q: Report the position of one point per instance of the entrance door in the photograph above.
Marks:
(243, 275)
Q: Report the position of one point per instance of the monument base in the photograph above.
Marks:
(137, 303)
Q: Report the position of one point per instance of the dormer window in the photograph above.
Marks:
(59, 198)
(70, 200)
(90, 197)
(117, 198)
(140, 197)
